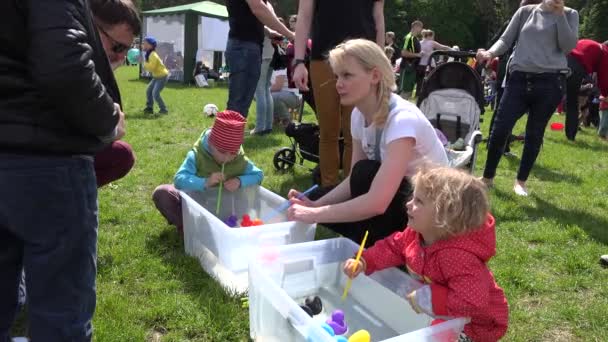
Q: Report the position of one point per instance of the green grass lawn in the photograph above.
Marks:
(149, 290)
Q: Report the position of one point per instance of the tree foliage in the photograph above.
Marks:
(466, 23)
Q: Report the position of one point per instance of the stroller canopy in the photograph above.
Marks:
(455, 75)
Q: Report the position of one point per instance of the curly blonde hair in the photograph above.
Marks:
(370, 56)
(460, 200)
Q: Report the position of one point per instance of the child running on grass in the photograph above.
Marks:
(203, 165)
(449, 240)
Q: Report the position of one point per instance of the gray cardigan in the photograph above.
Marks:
(543, 39)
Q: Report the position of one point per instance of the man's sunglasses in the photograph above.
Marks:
(117, 47)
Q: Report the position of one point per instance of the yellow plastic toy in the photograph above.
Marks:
(360, 336)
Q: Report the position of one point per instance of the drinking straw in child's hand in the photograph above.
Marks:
(287, 203)
(349, 281)
(219, 194)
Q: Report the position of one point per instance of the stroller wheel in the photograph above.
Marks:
(284, 159)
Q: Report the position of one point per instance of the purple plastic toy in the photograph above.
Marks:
(337, 323)
(231, 221)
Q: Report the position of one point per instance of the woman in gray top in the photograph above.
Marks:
(545, 34)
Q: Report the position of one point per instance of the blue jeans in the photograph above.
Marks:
(48, 226)
(263, 100)
(153, 93)
(536, 94)
(244, 60)
(284, 100)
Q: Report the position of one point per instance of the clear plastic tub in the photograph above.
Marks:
(218, 246)
(283, 277)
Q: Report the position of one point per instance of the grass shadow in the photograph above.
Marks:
(262, 142)
(140, 115)
(598, 146)
(593, 225)
(545, 174)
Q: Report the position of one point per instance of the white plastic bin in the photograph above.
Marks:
(286, 275)
(216, 245)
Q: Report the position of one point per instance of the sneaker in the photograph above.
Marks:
(148, 110)
(163, 112)
(520, 190)
(509, 154)
(263, 132)
(604, 260)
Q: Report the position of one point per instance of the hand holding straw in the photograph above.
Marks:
(219, 194)
(285, 205)
(349, 281)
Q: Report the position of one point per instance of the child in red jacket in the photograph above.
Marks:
(449, 239)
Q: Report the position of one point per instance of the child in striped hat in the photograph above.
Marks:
(202, 168)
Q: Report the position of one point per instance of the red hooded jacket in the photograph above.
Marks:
(594, 57)
(461, 284)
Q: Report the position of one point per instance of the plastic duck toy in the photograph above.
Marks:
(257, 222)
(246, 222)
(307, 310)
(312, 306)
(337, 323)
(315, 304)
(231, 221)
(328, 329)
(360, 336)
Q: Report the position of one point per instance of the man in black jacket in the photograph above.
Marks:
(55, 114)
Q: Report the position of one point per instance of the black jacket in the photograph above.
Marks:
(52, 74)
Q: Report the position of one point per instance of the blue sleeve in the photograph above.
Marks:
(252, 175)
(186, 178)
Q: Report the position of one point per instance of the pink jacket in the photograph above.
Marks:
(459, 282)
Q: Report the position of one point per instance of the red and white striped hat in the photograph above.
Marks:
(228, 131)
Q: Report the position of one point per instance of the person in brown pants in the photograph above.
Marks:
(334, 21)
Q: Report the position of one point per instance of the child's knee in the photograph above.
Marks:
(165, 195)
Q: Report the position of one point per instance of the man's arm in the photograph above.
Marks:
(266, 16)
(62, 67)
(379, 20)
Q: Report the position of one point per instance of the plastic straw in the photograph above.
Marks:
(285, 205)
(349, 281)
(219, 194)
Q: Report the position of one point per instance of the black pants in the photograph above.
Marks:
(573, 86)
(537, 94)
(394, 218)
(420, 73)
(499, 92)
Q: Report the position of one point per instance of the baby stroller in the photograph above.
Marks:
(304, 146)
(452, 98)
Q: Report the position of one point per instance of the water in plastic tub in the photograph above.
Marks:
(376, 304)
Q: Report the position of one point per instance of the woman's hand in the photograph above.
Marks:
(300, 213)
(555, 6)
(483, 56)
(300, 77)
(353, 268)
(303, 201)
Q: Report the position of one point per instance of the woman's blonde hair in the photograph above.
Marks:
(370, 56)
(460, 200)
(428, 33)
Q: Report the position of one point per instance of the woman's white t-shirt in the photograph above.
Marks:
(405, 120)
